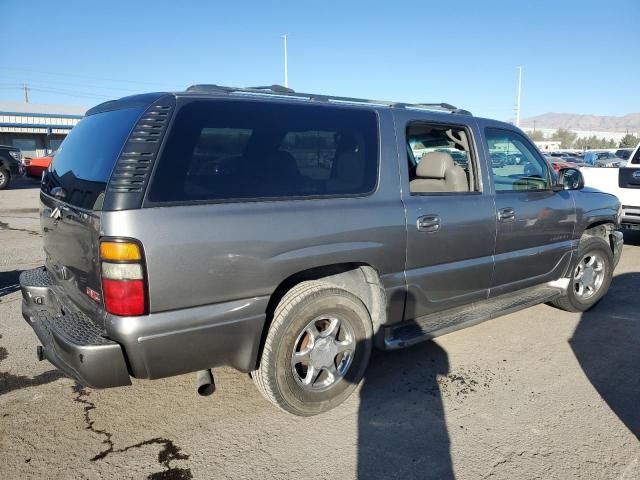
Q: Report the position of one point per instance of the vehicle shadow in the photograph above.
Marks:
(606, 344)
(402, 432)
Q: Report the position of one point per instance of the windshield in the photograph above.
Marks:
(83, 163)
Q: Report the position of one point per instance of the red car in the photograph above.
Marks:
(35, 166)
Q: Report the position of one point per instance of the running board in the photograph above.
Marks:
(434, 325)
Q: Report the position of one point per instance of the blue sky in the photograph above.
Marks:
(578, 56)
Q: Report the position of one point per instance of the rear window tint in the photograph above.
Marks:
(83, 163)
(221, 150)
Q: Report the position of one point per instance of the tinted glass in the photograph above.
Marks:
(83, 163)
(226, 150)
(514, 162)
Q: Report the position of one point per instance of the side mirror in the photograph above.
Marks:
(569, 179)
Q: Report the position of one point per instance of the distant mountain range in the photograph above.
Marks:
(572, 121)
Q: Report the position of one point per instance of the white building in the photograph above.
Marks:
(36, 129)
(616, 136)
(548, 145)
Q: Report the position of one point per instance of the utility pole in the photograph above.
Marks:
(26, 94)
(286, 62)
(519, 94)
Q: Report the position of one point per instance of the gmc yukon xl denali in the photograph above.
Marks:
(287, 234)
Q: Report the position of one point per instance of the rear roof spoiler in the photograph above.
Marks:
(133, 101)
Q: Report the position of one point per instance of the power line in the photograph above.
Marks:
(61, 92)
(48, 83)
(72, 93)
(67, 74)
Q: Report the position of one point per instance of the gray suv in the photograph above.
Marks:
(286, 234)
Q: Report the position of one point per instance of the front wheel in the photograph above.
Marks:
(5, 177)
(590, 276)
(317, 349)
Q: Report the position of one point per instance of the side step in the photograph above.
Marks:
(436, 324)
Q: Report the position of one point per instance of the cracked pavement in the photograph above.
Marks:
(537, 394)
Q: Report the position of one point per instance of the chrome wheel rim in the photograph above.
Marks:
(2, 178)
(588, 275)
(322, 353)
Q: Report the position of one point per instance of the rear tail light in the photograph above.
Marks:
(124, 283)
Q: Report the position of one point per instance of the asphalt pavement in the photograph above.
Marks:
(537, 394)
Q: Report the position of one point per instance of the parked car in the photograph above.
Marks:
(499, 159)
(603, 159)
(624, 183)
(624, 153)
(286, 234)
(10, 164)
(35, 166)
(558, 164)
(566, 157)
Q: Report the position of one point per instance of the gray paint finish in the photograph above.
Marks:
(213, 267)
(210, 253)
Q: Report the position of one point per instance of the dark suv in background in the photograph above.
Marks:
(10, 164)
(286, 234)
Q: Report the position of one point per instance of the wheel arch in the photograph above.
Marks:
(604, 229)
(5, 163)
(359, 278)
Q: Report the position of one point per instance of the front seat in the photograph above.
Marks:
(437, 172)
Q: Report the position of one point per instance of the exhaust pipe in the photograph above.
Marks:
(204, 383)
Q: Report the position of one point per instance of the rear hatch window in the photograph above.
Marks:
(83, 163)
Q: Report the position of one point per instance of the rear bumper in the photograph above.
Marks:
(70, 340)
(151, 346)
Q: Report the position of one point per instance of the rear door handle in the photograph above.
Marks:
(506, 215)
(428, 223)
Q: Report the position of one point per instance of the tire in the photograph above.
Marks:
(590, 247)
(5, 178)
(307, 306)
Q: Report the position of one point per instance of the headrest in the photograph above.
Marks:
(434, 165)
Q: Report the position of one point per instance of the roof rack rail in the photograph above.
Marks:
(279, 90)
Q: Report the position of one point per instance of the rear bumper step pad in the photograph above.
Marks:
(70, 341)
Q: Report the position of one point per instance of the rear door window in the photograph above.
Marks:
(222, 150)
(83, 163)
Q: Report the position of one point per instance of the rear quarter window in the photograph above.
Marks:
(242, 150)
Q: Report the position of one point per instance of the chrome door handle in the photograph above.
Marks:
(506, 214)
(428, 223)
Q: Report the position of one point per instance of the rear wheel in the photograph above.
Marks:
(317, 349)
(590, 276)
(5, 177)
